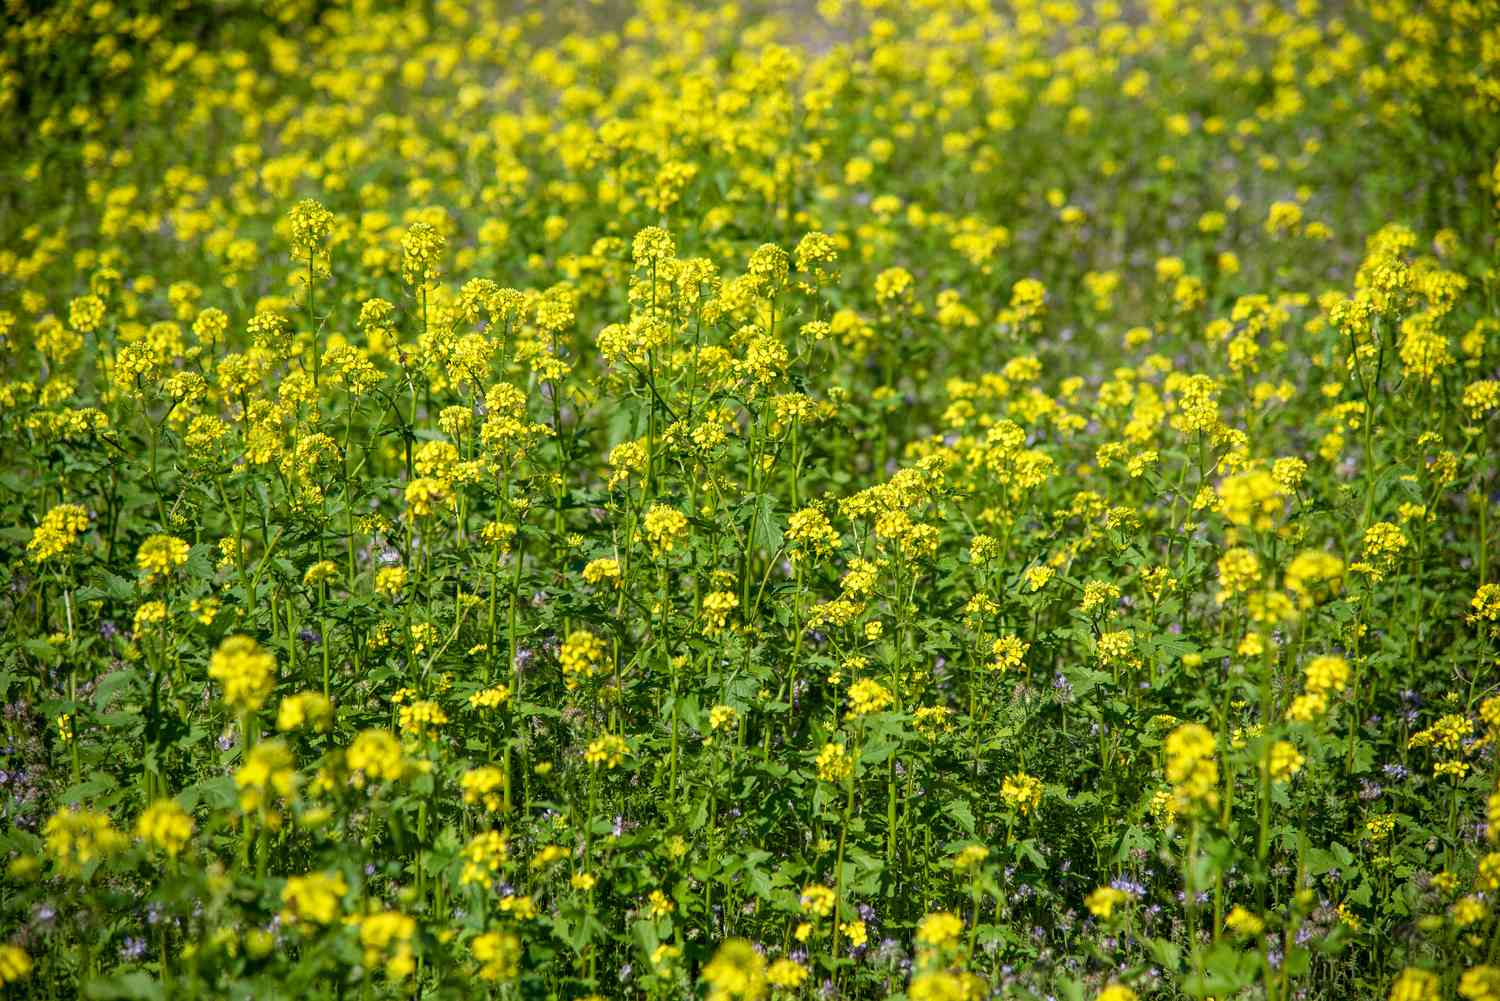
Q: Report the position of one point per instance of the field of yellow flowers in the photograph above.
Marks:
(863, 499)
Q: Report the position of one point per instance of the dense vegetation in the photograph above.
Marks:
(866, 499)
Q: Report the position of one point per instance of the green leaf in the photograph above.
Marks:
(134, 986)
(217, 793)
(43, 651)
(767, 532)
(960, 811)
(89, 789)
(1168, 955)
(112, 683)
(1028, 850)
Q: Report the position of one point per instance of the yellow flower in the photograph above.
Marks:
(946, 985)
(389, 581)
(939, 930)
(1486, 604)
(1037, 577)
(310, 224)
(607, 751)
(1191, 767)
(970, 857)
(1103, 901)
(483, 856)
(386, 938)
(736, 973)
(817, 900)
(809, 535)
(1114, 647)
(722, 718)
(582, 656)
(664, 527)
(159, 555)
(421, 248)
(147, 615)
(1250, 499)
(1415, 984)
(1239, 570)
(205, 610)
(786, 974)
(59, 530)
(15, 964)
(498, 954)
(492, 697)
(305, 709)
(165, 825)
(375, 755)
(1469, 910)
(867, 696)
(1383, 543)
(834, 764)
(267, 774)
(1480, 983)
(313, 899)
(1008, 652)
(1284, 761)
(1242, 922)
(247, 672)
(422, 719)
(1022, 792)
(483, 785)
(717, 607)
(1306, 708)
(77, 838)
(520, 908)
(602, 571)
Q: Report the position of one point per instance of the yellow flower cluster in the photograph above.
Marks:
(246, 672)
(58, 532)
(1191, 767)
(165, 825)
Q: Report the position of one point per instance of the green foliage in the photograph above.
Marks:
(873, 501)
